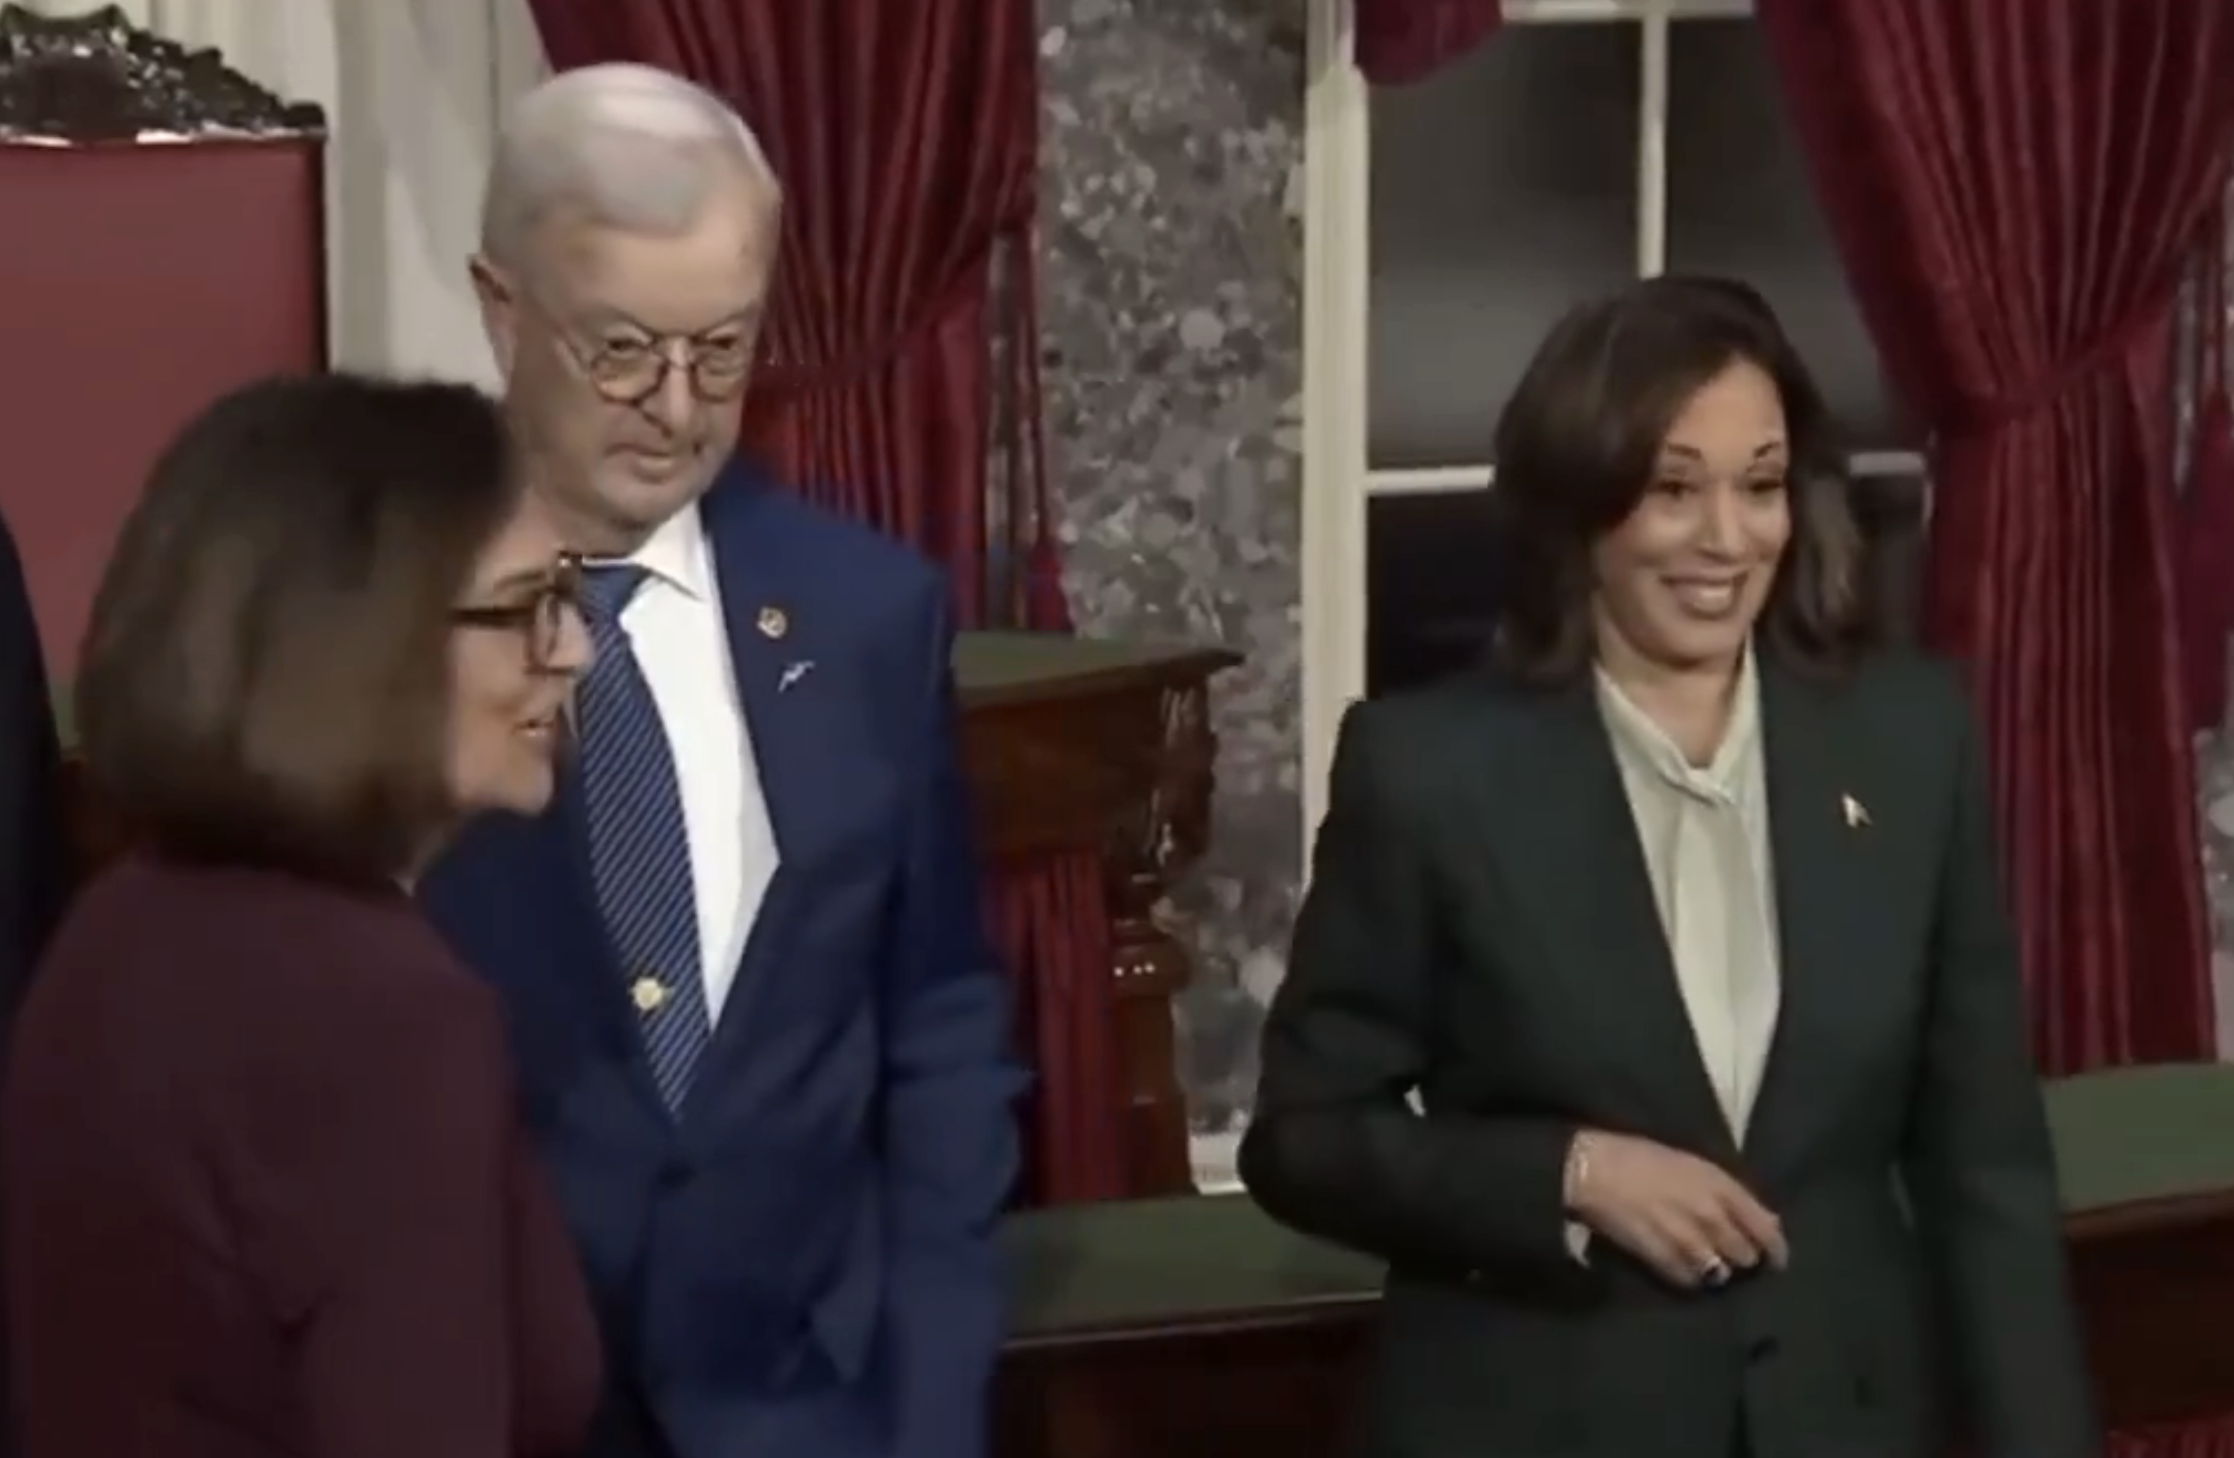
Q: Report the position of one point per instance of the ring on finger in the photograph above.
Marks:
(1714, 1271)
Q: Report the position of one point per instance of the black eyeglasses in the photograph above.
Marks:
(540, 620)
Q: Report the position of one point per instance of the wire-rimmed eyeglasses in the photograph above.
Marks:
(631, 371)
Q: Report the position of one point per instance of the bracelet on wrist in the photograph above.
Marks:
(1574, 1176)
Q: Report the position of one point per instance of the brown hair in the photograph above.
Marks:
(265, 678)
(1579, 442)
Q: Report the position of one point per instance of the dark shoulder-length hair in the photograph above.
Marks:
(1578, 444)
(265, 677)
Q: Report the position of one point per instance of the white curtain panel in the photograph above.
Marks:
(412, 90)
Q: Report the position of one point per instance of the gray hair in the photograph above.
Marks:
(632, 146)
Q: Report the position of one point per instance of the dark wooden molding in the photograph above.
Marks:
(98, 78)
(2146, 1219)
(1282, 1376)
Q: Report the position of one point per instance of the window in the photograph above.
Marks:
(1431, 591)
(1740, 203)
(1495, 202)
(1448, 224)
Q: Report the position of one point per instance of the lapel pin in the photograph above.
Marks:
(773, 623)
(793, 673)
(1856, 813)
(647, 993)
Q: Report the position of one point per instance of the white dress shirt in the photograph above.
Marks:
(1705, 835)
(674, 624)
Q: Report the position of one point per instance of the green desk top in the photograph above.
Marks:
(997, 660)
(1133, 1263)
(2122, 1137)
(2127, 1135)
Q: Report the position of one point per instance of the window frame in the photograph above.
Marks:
(1338, 477)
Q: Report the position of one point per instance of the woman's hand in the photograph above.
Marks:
(1686, 1218)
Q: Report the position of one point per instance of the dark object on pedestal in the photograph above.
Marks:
(1198, 1329)
(97, 77)
(166, 238)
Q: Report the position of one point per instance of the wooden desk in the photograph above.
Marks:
(1196, 1326)
(1188, 1326)
(1092, 763)
(1089, 760)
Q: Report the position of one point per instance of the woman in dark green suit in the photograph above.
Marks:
(1682, 926)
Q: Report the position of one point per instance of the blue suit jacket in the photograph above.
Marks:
(803, 1261)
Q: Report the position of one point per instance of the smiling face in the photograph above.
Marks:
(1684, 577)
(517, 650)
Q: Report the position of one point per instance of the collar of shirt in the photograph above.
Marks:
(676, 554)
(1635, 732)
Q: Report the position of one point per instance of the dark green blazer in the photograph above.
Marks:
(1480, 929)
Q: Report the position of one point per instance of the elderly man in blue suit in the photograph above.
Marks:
(761, 1038)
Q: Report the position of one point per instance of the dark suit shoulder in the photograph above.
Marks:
(885, 601)
(1910, 678)
(1401, 749)
(853, 544)
(1906, 701)
(847, 555)
(331, 964)
(274, 1026)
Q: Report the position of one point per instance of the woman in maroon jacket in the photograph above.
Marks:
(264, 1191)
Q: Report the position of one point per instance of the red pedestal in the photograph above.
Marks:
(139, 280)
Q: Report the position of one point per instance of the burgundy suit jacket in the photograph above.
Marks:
(265, 1192)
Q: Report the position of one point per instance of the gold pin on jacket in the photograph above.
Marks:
(1857, 814)
(647, 993)
(773, 623)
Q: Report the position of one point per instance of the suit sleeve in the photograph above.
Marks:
(408, 1344)
(1334, 1149)
(950, 1137)
(1980, 1169)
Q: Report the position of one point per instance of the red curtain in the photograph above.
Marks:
(1400, 41)
(2174, 1440)
(2017, 188)
(1051, 914)
(906, 134)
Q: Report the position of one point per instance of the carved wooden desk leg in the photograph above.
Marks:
(1151, 966)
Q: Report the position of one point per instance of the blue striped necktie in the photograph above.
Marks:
(639, 852)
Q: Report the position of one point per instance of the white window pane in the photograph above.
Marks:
(1504, 191)
(1740, 203)
(1432, 585)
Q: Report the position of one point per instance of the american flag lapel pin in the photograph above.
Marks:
(1856, 813)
